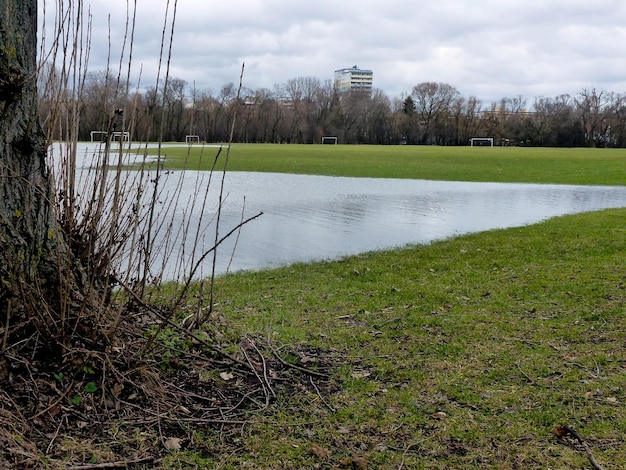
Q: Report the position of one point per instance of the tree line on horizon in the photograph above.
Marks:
(305, 109)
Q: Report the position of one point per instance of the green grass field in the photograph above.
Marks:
(464, 353)
(498, 164)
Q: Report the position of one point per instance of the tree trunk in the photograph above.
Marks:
(42, 286)
(27, 222)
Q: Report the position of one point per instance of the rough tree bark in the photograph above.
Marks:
(39, 278)
(27, 222)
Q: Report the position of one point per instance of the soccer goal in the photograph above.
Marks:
(332, 140)
(120, 136)
(98, 136)
(192, 138)
(481, 141)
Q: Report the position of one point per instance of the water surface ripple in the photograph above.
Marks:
(307, 217)
(319, 217)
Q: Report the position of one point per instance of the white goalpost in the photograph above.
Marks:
(101, 136)
(483, 141)
(192, 138)
(123, 136)
(329, 139)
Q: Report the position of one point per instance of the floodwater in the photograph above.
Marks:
(318, 217)
(306, 218)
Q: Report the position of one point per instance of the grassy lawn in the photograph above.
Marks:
(464, 353)
(501, 164)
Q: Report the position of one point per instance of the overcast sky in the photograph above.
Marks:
(485, 48)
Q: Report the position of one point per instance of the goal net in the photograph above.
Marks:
(120, 136)
(481, 141)
(332, 140)
(192, 138)
(98, 136)
(102, 136)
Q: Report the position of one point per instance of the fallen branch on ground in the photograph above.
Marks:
(568, 431)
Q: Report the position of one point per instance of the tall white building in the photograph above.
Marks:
(353, 79)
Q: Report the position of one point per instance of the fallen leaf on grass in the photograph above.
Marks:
(227, 376)
(320, 452)
(117, 389)
(55, 410)
(439, 415)
(172, 443)
(361, 374)
(356, 461)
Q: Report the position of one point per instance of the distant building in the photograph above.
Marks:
(353, 79)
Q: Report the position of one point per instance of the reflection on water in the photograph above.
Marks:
(318, 217)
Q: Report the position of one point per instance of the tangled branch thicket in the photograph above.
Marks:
(106, 360)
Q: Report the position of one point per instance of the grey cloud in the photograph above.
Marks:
(486, 48)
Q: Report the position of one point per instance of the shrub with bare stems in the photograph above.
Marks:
(98, 269)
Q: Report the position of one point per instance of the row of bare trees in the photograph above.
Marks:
(304, 109)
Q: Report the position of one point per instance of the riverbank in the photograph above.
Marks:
(465, 353)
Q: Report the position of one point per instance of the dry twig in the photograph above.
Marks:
(293, 366)
(568, 431)
(317, 390)
(120, 464)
